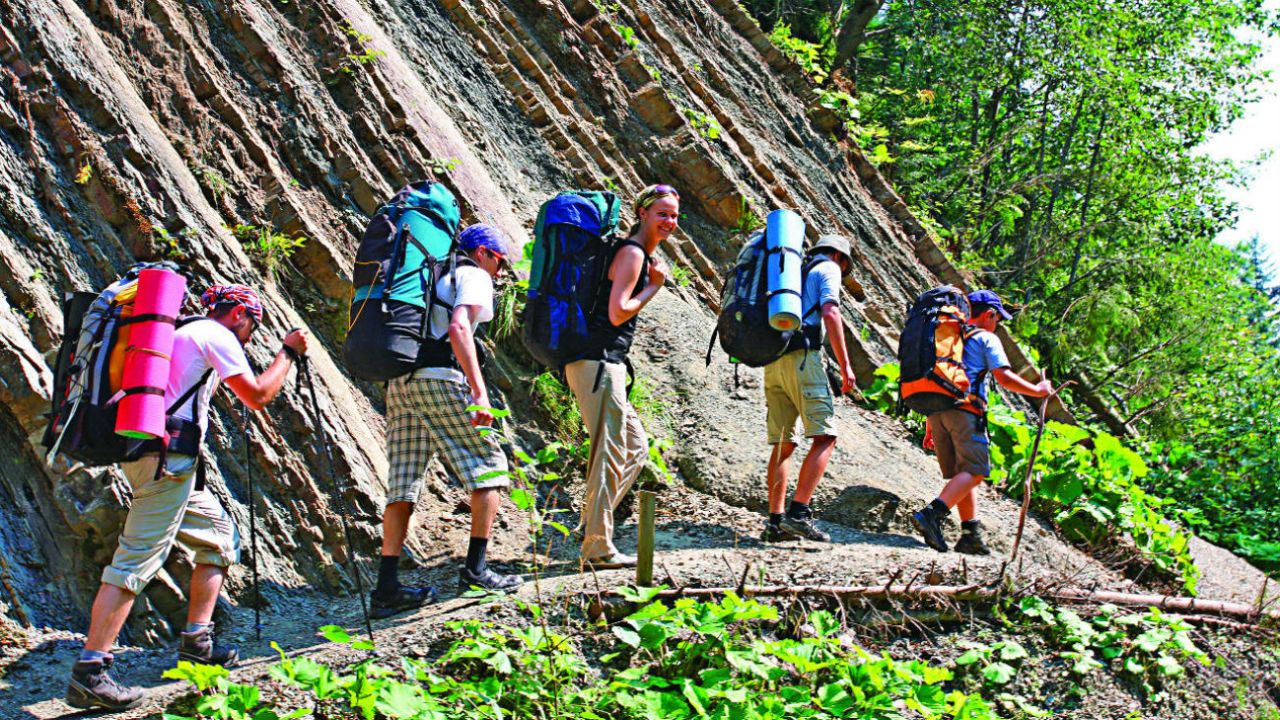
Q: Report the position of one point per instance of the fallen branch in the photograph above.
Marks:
(1249, 614)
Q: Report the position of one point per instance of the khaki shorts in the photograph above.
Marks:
(165, 511)
(791, 392)
(961, 442)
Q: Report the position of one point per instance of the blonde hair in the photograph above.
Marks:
(648, 197)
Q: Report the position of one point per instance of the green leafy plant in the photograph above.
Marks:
(443, 166)
(212, 181)
(368, 54)
(1151, 648)
(222, 699)
(558, 402)
(628, 34)
(85, 173)
(808, 55)
(508, 306)
(997, 664)
(748, 219)
(271, 248)
(703, 124)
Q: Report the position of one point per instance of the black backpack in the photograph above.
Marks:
(410, 243)
(743, 326)
(574, 244)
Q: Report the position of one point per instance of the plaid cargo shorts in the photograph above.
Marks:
(426, 416)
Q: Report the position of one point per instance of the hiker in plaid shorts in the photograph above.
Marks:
(427, 416)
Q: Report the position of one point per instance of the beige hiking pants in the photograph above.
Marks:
(618, 448)
(164, 511)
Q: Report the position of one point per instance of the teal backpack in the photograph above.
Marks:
(410, 243)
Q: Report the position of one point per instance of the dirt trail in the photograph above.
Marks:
(702, 542)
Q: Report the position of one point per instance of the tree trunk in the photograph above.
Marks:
(853, 31)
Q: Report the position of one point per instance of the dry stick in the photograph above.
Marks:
(972, 593)
(1031, 463)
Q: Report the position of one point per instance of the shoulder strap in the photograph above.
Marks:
(186, 394)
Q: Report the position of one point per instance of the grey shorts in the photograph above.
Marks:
(960, 439)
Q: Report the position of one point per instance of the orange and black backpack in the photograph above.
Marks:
(931, 354)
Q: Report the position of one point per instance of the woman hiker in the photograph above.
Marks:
(598, 378)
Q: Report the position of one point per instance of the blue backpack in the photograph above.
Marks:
(410, 243)
(573, 245)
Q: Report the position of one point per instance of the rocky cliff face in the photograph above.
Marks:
(140, 129)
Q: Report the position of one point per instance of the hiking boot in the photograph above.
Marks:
(611, 562)
(404, 598)
(774, 533)
(805, 528)
(199, 647)
(970, 542)
(487, 579)
(929, 524)
(92, 687)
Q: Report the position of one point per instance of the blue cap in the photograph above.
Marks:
(483, 236)
(986, 297)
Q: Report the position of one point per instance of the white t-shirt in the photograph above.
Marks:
(469, 285)
(198, 346)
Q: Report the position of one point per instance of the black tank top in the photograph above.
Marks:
(610, 342)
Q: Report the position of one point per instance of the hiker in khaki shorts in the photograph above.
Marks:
(619, 447)
(176, 506)
(796, 388)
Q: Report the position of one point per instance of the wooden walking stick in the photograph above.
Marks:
(1031, 464)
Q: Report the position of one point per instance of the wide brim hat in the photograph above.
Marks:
(838, 243)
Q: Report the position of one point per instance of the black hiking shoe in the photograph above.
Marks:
(91, 686)
(404, 598)
(199, 647)
(970, 542)
(929, 524)
(774, 533)
(487, 579)
(803, 528)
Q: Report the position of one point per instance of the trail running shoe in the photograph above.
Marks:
(929, 524)
(404, 598)
(92, 686)
(487, 579)
(774, 533)
(805, 528)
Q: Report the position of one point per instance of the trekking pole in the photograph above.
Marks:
(304, 374)
(1031, 463)
(253, 526)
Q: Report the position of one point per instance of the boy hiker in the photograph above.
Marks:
(959, 435)
(598, 378)
(175, 505)
(795, 386)
(427, 415)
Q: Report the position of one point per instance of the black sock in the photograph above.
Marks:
(968, 527)
(940, 508)
(775, 519)
(799, 511)
(475, 555)
(388, 575)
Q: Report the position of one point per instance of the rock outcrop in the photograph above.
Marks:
(141, 129)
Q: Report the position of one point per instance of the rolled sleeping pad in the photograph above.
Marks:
(141, 413)
(784, 240)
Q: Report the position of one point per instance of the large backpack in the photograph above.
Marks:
(573, 245)
(931, 353)
(743, 326)
(87, 379)
(410, 243)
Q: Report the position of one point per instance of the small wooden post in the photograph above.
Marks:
(644, 551)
